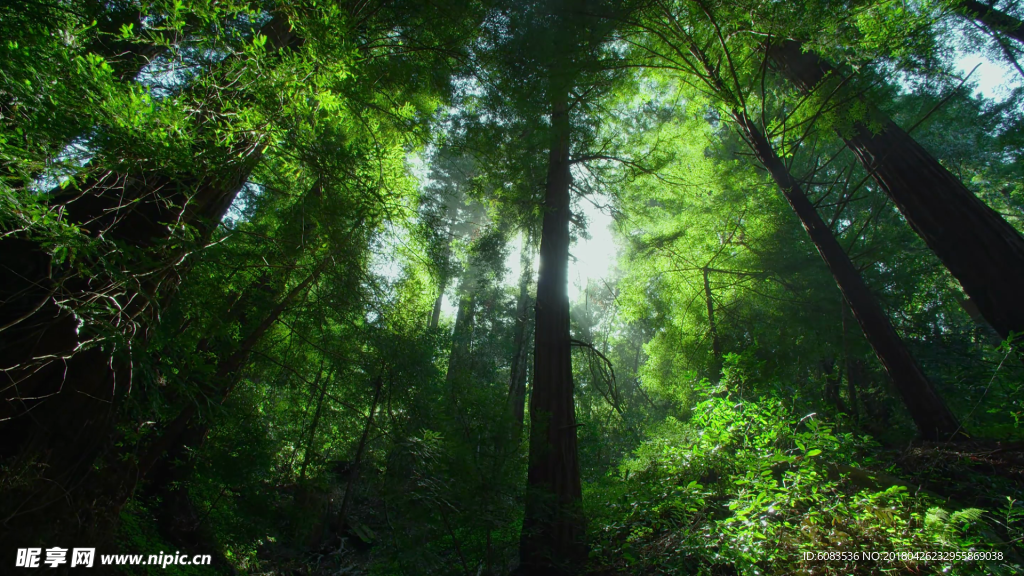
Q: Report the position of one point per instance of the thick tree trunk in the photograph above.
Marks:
(435, 315)
(996, 20)
(933, 419)
(460, 358)
(61, 392)
(521, 338)
(553, 534)
(981, 249)
(716, 346)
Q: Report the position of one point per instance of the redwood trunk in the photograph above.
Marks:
(996, 20)
(460, 358)
(933, 419)
(521, 339)
(60, 412)
(552, 540)
(981, 249)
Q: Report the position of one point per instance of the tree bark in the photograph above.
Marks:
(460, 358)
(435, 315)
(346, 501)
(716, 346)
(521, 337)
(308, 456)
(981, 249)
(553, 533)
(933, 419)
(996, 20)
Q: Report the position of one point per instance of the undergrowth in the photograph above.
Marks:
(749, 487)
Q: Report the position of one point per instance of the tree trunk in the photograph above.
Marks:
(996, 20)
(308, 456)
(227, 369)
(933, 419)
(61, 391)
(460, 358)
(346, 501)
(851, 386)
(982, 251)
(435, 315)
(521, 338)
(833, 376)
(716, 346)
(553, 534)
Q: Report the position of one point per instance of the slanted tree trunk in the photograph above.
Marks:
(552, 540)
(933, 419)
(981, 249)
(61, 391)
(346, 501)
(227, 370)
(308, 456)
(521, 337)
(996, 20)
(716, 346)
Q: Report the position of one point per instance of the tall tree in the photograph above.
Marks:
(81, 295)
(545, 58)
(684, 52)
(523, 331)
(978, 246)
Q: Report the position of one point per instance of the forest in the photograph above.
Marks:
(512, 287)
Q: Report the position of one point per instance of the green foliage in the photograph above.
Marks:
(752, 486)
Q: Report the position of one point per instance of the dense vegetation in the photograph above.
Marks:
(286, 283)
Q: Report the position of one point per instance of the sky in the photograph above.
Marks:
(591, 259)
(993, 79)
